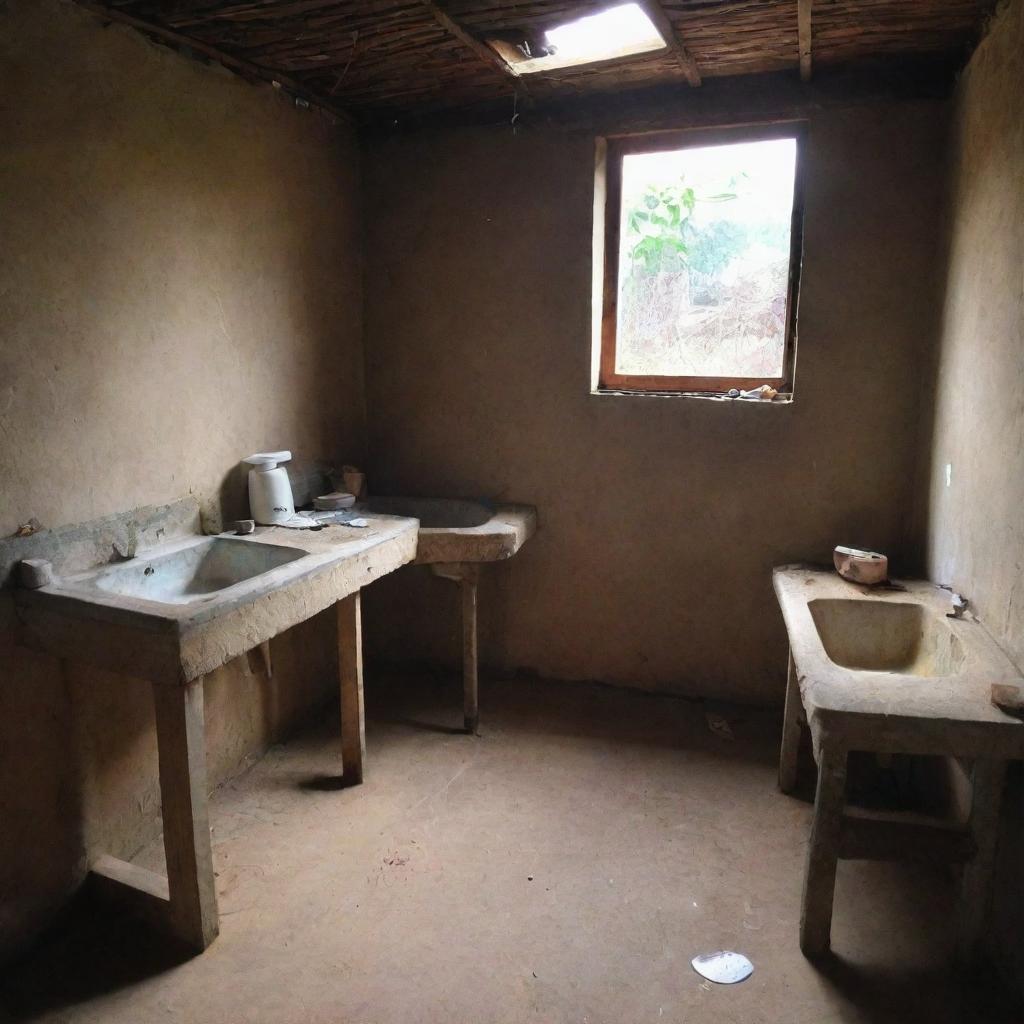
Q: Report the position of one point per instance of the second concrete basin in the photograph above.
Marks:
(434, 513)
(458, 530)
(455, 537)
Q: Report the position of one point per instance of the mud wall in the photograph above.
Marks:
(973, 446)
(661, 518)
(179, 286)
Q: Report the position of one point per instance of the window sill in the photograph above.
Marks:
(783, 398)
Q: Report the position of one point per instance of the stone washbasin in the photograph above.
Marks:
(455, 537)
(886, 636)
(182, 608)
(146, 595)
(889, 670)
(458, 530)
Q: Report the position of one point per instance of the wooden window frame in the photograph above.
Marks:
(618, 148)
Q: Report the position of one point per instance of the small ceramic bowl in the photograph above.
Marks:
(334, 502)
(857, 566)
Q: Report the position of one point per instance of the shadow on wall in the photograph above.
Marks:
(40, 790)
(916, 526)
(413, 602)
(233, 497)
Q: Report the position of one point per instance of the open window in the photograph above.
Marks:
(702, 248)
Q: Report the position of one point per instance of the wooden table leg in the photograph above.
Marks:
(987, 780)
(470, 682)
(467, 575)
(350, 671)
(181, 745)
(790, 731)
(822, 854)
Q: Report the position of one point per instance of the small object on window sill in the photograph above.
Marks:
(960, 604)
(858, 566)
(765, 393)
(245, 526)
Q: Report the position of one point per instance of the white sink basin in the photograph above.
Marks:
(194, 572)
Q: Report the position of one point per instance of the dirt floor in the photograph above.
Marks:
(563, 866)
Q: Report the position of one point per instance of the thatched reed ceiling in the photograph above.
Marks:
(383, 59)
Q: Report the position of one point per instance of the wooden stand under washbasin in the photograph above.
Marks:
(104, 615)
(185, 901)
(455, 538)
(886, 671)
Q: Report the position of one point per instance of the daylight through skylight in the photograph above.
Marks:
(617, 32)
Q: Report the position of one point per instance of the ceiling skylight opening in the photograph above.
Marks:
(620, 31)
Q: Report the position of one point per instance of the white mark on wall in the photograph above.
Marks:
(949, 473)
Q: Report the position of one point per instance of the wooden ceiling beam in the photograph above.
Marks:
(236, 64)
(803, 18)
(663, 24)
(480, 48)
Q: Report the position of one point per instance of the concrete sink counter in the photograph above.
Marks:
(455, 530)
(179, 610)
(887, 670)
(146, 595)
(455, 538)
(890, 671)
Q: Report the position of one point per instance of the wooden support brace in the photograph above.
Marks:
(470, 681)
(803, 17)
(141, 881)
(350, 678)
(181, 746)
(987, 780)
(467, 575)
(240, 66)
(822, 854)
(863, 837)
(480, 48)
(185, 902)
(663, 24)
(790, 731)
(132, 890)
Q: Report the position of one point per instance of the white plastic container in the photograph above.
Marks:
(270, 490)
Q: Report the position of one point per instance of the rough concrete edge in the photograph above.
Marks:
(80, 546)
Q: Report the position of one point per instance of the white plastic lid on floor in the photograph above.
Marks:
(723, 967)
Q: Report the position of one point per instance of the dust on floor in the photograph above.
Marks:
(564, 866)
